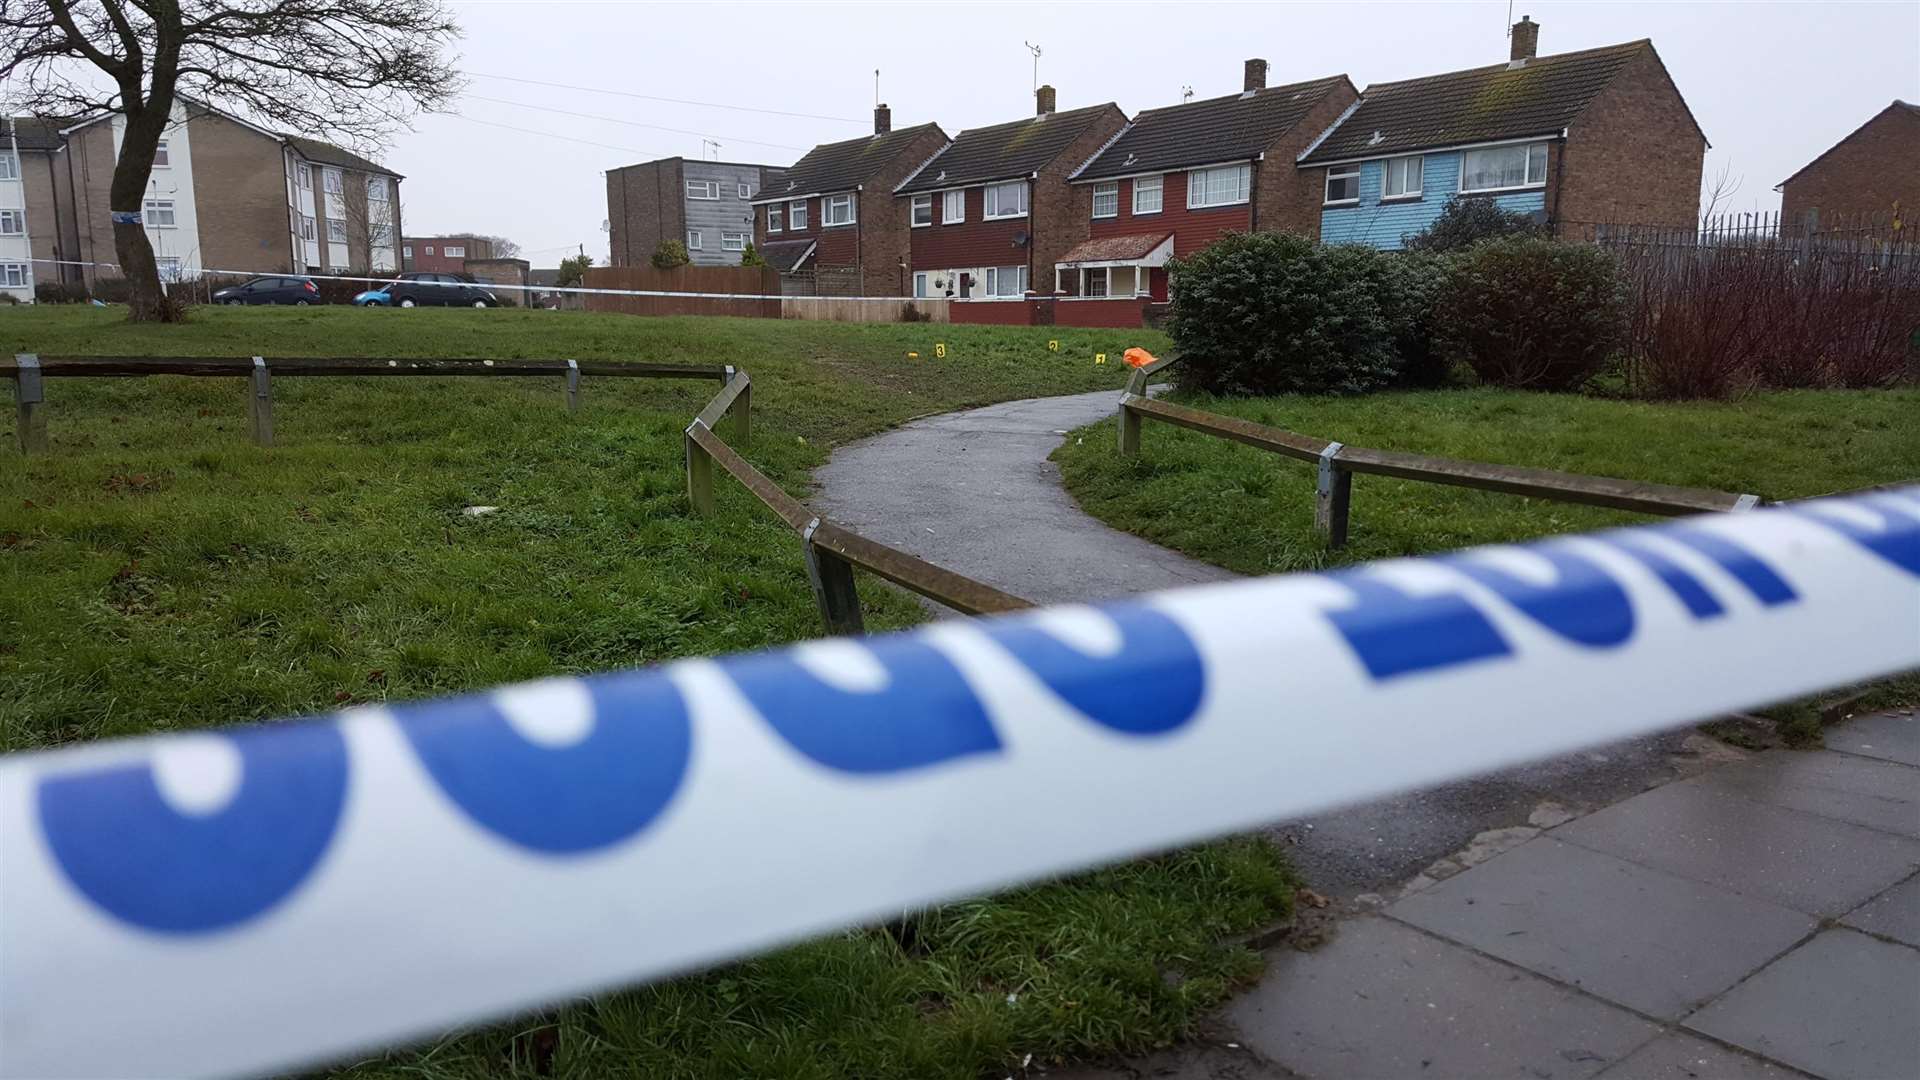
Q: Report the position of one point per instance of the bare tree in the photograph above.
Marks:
(1719, 191)
(345, 69)
(372, 223)
(501, 247)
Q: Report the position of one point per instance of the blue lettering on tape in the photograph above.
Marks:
(925, 714)
(1765, 585)
(1897, 541)
(1582, 605)
(1398, 633)
(1152, 685)
(560, 800)
(1700, 603)
(122, 845)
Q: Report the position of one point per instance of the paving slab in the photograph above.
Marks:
(1865, 791)
(1679, 1056)
(1894, 913)
(1842, 1006)
(1383, 1000)
(1200, 1059)
(1890, 736)
(1698, 831)
(1654, 942)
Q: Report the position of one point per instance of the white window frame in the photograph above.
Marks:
(13, 222)
(1412, 177)
(832, 203)
(1088, 277)
(13, 275)
(309, 229)
(994, 196)
(335, 225)
(429, 249)
(451, 251)
(1155, 184)
(693, 239)
(9, 166)
(710, 187)
(161, 158)
(776, 218)
(1196, 184)
(745, 191)
(1526, 171)
(406, 251)
(733, 241)
(1108, 189)
(376, 189)
(797, 215)
(915, 206)
(332, 182)
(1341, 172)
(154, 206)
(953, 207)
(996, 273)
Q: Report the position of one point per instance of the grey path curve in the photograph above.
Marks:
(974, 492)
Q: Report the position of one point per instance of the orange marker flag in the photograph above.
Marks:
(1138, 357)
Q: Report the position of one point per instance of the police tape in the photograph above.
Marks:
(571, 289)
(256, 899)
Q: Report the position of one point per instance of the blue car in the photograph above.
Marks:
(421, 289)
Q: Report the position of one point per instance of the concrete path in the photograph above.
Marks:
(1760, 919)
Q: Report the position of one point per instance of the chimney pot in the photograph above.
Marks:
(1043, 101)
(882, 119)
(1526, 39)
(1256, 75)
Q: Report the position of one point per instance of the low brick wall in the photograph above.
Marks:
(1122, 313)
(837, 309)
(993, 312)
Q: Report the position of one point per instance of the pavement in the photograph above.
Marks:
(1758, 919)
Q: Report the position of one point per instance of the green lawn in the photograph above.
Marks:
(159, 572)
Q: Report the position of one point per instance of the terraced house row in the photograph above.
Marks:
(1073, 216)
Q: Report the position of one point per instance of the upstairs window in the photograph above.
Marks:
(376, 189)
(745, 191)
(10, 166)
(1343, 185)
(797, 214)
(733, 241)
(14, 222)
(158, 213)
(1403, 178)
(953, 207)
(333, 182)
(1498, 168)
(307, 233)
(693, 240)
(14, 275)
(1006, 200)
(1223, 186)
(1106, 199)
(1146, 194)
(703, 190)
(160, 159)
(837, 210)
(305, 176)
(406, 251)
(452, 251)
(920, 214)
(336, 230)
(775, 215)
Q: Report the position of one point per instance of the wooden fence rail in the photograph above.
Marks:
(831, 552)
(1337, 462)
(26, 373)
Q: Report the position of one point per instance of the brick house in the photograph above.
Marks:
(1874, 171)
(1176, 179)
(1600, 135)
(225, 194)
(833, 217)
(447, 253)
(991, 212)
(708, 205)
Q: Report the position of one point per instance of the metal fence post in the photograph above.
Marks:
(260, 403)
(699, 474)
(1331, 498)
(31, 419)
(833, 586)
(1129, 428)
(573, 386)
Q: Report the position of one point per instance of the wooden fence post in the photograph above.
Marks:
(833, 586)
(1129, 428)
(699, 475)
(573, 386)
(1331, 498)
(742, 408)
(31, 419)
(260, 403)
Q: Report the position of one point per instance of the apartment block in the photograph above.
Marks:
(707, 205)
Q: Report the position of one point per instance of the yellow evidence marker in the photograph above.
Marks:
(940, 349)
(1054, 345)
(1099, 358)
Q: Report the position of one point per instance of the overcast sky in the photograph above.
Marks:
(1773, 84)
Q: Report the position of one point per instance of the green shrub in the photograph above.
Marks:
(1531, 314)
(1271, 313)
(573, 270)
(1408, 285)
(669, 254)
(1468, 220)
(749, 256)
(59, 292)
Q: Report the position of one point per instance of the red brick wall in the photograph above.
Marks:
(1192, 229)
(644, 206)
(1123, 313)
(1286, 198)
(973, 242)
(1865, 173)
(1059, 212)
(991, 312)
(885, 246)
(788, 232)
(1634, 156)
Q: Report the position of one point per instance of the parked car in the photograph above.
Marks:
(417, 288)
(273, 289)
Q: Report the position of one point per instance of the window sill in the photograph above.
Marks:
(1105, 217)
(1001, 217)
(922, 225)
(1541, 186)
(1342, 202)
(1146, 213)
(1219, 206)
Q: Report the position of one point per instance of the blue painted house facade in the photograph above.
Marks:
(1600, 135)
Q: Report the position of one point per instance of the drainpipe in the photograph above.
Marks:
(53, 190)
(1559, 180)
(1253, 192)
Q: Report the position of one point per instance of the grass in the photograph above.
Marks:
(158, 572)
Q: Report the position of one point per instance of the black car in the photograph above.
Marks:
(419, 288)
(298, 291)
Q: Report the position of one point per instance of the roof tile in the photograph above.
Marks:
(1006, 151)
(843, 166)
(1232, 128)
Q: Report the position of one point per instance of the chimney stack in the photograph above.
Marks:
(1043, 101)
(882, 119)
(1256, 75)
(1526, 39)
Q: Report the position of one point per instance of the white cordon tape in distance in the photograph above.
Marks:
(254, 900)
(387, 280)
